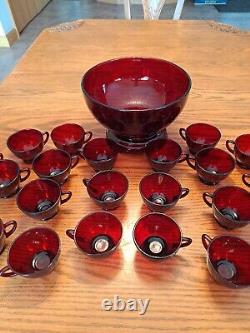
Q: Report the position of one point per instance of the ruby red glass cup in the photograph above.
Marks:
(33, 253)
(27, 143)
(100, 154)
(164, 154)
(41, 198)
(246, 179)
(158, 236)
(241, 150)
(212, 165)
(10, 177)
(107, 189)
(97, 234)
(161, 191)
(228, 260)
(231, 206)
(6, 230)
(70, 137)
(54, 164)
(199, 136)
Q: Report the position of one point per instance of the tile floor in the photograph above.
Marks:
(58, 11)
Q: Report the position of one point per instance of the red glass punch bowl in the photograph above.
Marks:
(135, 98)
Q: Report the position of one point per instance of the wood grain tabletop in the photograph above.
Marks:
(43, 91)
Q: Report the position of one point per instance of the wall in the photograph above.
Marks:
(2, 33)
(6, 21)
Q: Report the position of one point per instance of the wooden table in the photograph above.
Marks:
(43, 91)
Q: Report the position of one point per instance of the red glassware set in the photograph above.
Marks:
(135, 99)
